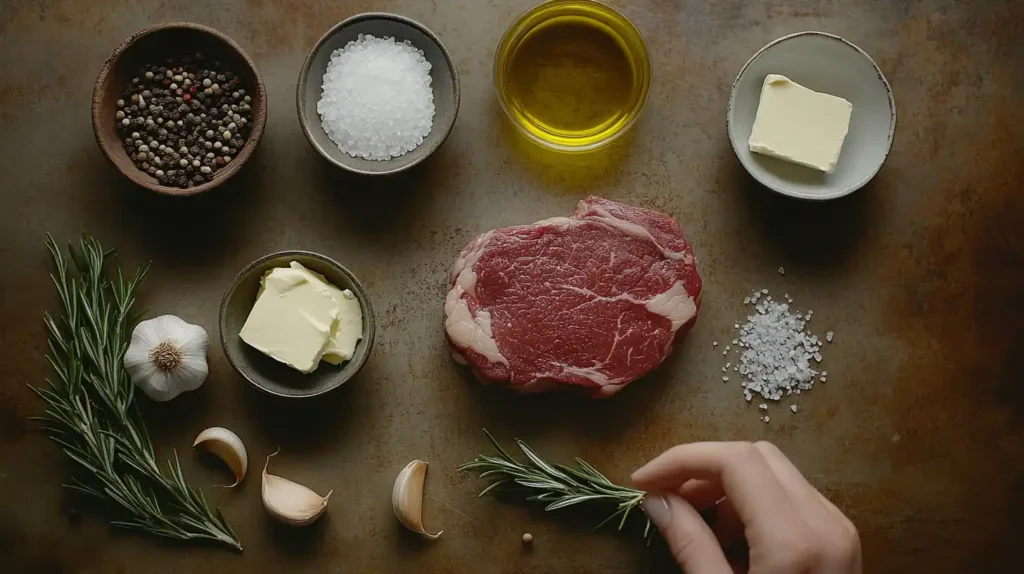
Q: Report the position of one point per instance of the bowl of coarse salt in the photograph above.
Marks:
(378, 94)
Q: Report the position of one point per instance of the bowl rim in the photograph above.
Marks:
(369, 318)
(300, 90)
(641, 104)
(890, 137)
(255, 135)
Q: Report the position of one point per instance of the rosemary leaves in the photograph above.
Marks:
(556, 485)
(90, 404)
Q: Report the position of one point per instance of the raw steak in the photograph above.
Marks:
(589, 302)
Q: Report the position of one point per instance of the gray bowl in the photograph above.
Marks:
(444, 80)
(265, 373)
(825, 63)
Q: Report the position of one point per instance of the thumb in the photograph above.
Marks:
(689, 538)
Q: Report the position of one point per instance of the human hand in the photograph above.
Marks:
(761, 500)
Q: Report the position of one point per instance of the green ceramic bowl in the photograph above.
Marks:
(265, 373)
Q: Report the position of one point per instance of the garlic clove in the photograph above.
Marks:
(166, 357)
(228, 447)
(289, 501)
(407, 498)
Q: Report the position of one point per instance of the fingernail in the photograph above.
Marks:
(656, 508)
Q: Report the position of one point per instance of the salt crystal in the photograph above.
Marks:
(792, 408)
(377, 101)
(828, 336)
(762, 406)
(782, 271)
(725, 378)
(776, 354)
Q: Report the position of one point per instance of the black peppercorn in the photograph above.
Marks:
(191, 104)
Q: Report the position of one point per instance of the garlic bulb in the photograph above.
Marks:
(407, 498)
(167, 357)
(228, 447)
(290, 502)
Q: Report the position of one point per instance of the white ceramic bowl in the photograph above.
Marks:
(824, 63)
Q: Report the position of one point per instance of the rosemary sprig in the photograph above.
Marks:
(91, 411)
(556, 485)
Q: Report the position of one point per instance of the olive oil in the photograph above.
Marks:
(572, 75)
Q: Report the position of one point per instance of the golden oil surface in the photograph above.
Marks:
(571, 78)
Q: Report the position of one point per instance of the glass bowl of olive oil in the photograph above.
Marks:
(572, 75)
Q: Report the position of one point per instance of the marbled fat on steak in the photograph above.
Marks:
(589, 302)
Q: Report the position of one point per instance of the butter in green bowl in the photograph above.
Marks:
(296, 324)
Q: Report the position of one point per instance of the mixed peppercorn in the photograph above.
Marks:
(183, 121)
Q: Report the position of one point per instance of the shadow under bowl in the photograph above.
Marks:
(267, 374)
(444, 80)
(154, 45)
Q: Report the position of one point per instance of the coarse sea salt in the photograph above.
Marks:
(777, 350)
(377, 101)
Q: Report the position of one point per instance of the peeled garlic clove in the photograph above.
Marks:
(228, 447)
(407, 497)
(290, 502)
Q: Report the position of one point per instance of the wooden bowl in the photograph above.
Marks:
(265, 373)
(155, 44)
(444, 78)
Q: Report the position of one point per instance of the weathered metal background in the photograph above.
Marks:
(918, 435)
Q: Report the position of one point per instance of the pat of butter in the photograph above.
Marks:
(799, 125)
(349, 328)
(293, 318)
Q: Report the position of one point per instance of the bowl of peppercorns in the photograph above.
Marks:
(178, 108)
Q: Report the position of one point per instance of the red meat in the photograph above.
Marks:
(589, 302)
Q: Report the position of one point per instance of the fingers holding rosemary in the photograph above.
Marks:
(787, 524)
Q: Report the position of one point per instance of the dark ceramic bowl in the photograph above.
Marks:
(443, 75)
(155, 44)
(265, 373)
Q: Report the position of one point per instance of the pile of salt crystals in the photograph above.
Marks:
(377, 100)
(775, 350)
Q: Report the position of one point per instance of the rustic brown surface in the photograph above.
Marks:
(918, 435)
